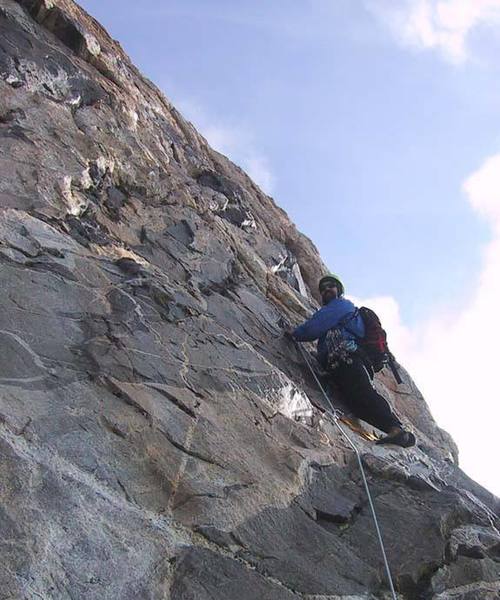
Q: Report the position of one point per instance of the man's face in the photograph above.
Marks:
(328, 290)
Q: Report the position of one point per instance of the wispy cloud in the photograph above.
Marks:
(235, 141)
(453, 356)
(258, 169)
(483, 191)
(442, 25)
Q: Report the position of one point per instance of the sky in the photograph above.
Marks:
(376, 125)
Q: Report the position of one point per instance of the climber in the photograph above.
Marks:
(339, 355)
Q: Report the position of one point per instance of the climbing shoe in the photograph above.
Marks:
(405, 439)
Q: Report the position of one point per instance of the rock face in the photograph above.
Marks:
(159, 438)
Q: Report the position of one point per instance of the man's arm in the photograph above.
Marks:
(314, 327)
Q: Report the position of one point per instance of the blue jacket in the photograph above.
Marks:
(327, 318)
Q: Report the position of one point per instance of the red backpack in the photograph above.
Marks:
(374, 343)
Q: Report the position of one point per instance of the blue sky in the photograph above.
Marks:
(364, 119)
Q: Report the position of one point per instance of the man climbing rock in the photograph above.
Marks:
(338, 326)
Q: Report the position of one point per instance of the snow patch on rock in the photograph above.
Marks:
(293, 403)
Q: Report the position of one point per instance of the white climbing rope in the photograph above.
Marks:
(335, 414)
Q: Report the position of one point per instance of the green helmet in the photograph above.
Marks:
(332, 277)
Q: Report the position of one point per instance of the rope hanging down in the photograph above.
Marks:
(335, 414)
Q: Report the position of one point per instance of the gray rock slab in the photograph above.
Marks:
(290, 546)
(466, 571)
(201, 575)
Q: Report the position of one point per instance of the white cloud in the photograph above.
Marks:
(454, 356)
(258, 169)
(443, 25)
(483, 190)
(236, 142)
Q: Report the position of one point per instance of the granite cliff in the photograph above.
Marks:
(159, 438)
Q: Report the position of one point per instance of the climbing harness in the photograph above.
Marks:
(336, 418)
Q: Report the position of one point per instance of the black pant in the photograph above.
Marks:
(359, 394)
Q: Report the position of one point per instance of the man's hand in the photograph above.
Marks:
(288, 332)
